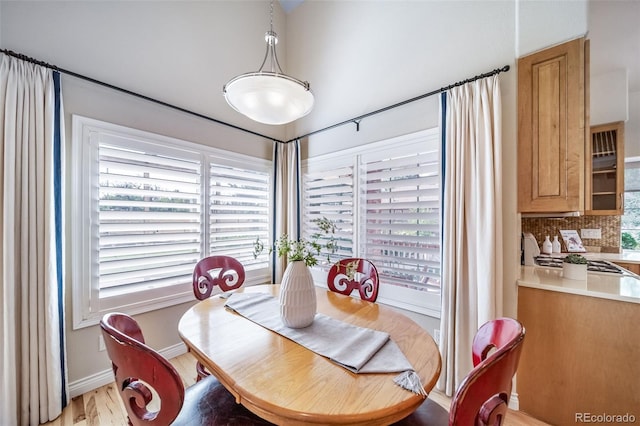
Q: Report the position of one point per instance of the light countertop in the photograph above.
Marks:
(627, 257)
(622, 288)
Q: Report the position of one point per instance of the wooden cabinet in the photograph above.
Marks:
(580, 355)
(552, 126)
(605, 170)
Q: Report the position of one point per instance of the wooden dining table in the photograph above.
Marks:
(288, 384)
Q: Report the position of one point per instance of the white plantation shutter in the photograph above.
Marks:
(147, 208)
(149, 217)
(239, 213)
(384, 198)
(329, 193)
(400, 213)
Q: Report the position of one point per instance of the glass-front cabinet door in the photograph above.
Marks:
(605, 166)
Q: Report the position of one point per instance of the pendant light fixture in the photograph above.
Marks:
(269, 96)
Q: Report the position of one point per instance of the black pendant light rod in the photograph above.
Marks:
(129, 92)
(357, 119)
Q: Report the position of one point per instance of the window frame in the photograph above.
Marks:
(88, 306)
(629, 163)
(400, 297)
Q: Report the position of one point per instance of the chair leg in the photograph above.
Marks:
(201, 371)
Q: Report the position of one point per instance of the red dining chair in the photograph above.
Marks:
(483, 396)
(223, 271)
(349, 274)
(152, 390)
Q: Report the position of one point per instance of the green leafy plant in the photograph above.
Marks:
(351, 268)
(306, 250)
(576, 259)
(628, 242)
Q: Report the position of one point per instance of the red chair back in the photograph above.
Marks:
(493, 335)
(222, 271)
(138, 371)
(483, 396)
(349, 274)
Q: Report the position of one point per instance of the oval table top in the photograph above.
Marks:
(286, 383)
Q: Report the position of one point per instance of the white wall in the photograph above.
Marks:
(609, 97)
(544, 23)
(378, 53)
(615, 67)
(177, 52)
(632, 127)
(358, 56)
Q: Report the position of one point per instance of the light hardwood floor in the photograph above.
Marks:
(102, 406)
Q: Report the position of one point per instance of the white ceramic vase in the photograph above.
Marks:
(574, 271)
(297, 296)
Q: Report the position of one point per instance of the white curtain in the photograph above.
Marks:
(32, 360)
(287, 205)
(472, 222)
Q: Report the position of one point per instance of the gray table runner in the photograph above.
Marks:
(358, 349)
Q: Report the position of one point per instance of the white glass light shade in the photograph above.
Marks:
(268, 97)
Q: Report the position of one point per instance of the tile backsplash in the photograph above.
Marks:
(609, 226)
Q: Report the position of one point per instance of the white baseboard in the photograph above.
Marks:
(105, 377)
(514, 402)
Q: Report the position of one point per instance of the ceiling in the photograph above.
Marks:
(615, 39)
(289, 5)
(614, 36)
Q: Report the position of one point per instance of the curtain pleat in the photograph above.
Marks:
(286, 209)
(32, 321)
(472, 214)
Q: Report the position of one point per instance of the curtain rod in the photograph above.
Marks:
(357, 119)
(129, 92)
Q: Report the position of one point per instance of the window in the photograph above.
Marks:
(239, 201)
(147, 208)
(385, 200)
(631, 219)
